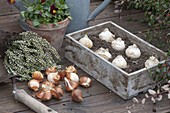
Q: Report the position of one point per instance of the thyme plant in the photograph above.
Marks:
(29, 53)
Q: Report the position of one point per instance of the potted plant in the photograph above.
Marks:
(49, 18)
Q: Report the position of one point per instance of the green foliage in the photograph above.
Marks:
(45, 11)
(157, 12)
(162, 73)
(29, 53)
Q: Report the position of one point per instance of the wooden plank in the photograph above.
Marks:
(6, 8)
(10, 23)
(109, 11)
(109, 103)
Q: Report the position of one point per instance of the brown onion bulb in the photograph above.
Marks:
(53, 77)
(50, 70)
(34, 84)
(38, 76)
(62, 74)
(57, 92)
(70, 85)
(77, 95)
(73, 77)
(85, 81)
(70, 69)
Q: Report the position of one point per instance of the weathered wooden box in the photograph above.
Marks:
(122, 83)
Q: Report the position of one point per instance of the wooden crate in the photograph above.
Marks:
(122, 83)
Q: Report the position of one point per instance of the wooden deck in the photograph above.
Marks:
(97, 99)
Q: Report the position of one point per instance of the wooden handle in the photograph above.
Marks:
(22, 96)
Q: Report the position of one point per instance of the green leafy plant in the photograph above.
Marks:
(44, 11)
(29, 53)
(162, 73)
(157, 12)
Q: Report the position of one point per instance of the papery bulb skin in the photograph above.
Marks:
(53, 77)
(86, 41)
(151, 61)
(50, 70)
(57, 93)
(77, 95)
(62, 74)
(70, 85)
(73, 77)
(118, 44)
(34, 84)
(70, 69)
(104, 53)
(120, 62)
(133, 52)
(85, 81)
(38, 76)
(106, 35)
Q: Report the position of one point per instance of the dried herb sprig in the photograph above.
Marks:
(28, 53)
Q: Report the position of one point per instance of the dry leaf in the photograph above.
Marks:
(129, 111)
(159, 98)
(116, 6)
(135, 100)
(153, 100)
(169, 81)
(165, 87)
(158, 91)
(116, 1)
(169, 95)
(122, 2)
(143, 101)
(117, 11)
(146, 95)
(152, 92)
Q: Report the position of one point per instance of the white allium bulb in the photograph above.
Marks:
(120, 62)
(133, 51)
(151, 61)
(106, 35)
(118, 44)
(86, 41)
(104, 53)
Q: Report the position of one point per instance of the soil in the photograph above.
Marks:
(133, 64)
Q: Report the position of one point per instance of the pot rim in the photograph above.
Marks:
(61, 24)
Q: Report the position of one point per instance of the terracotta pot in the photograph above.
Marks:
(53, 34)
